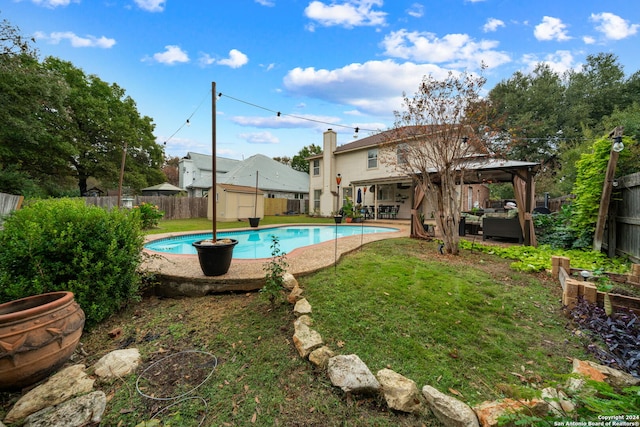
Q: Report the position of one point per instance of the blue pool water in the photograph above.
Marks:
(256, 243)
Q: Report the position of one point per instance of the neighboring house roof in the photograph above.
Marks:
(203, 162)
(272, 175)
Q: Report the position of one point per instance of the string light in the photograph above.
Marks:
(279, 114)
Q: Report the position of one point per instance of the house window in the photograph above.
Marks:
(316, 200)
(316, 168)
(385, 192)
(401, 153)
(372, 158)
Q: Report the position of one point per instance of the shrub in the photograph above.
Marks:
(63, 244)
(275, 268)
(149, 214)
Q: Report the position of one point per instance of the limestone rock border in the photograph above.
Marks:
(351, 374)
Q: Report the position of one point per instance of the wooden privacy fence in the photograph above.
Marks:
(173, 207)
(622, 231)
(193, 207)
(8, 204)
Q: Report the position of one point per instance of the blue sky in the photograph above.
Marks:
(323, 64)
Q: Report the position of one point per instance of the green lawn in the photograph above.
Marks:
(467, 325)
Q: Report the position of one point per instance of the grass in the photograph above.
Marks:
(468, 325)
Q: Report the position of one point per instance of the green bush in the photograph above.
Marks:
(62, 244)
(149, 214)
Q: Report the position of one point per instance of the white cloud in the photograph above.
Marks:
(236, 59)
(285, 121)
(551, 29)
(456, 50)
(171, 55)
(374, 87)
(560, 61)
(75, 40)
(151, 5)
(259, 138)
(613, 27)
(416, 10)
(206, 59)
(54, 3)
(588, 40)
(349, 14)
(492, 25)
(267, 3)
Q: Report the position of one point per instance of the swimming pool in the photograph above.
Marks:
(254, 244)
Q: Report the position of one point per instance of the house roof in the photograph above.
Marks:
(382, 137)
(272, 175)
(203, 162)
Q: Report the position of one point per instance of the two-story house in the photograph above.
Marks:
(382, 191)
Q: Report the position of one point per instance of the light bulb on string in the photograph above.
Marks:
(618, 146)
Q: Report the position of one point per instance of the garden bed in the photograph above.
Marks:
(623, 293)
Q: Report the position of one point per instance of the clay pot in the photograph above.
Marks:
(37, 335)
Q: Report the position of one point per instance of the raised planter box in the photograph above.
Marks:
(573, 289)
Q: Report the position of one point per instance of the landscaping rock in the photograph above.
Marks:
(305, 339)
(400, 393)
(295, 295)
(68, 382)
(558, 402)
(320, 356)
(351, 374)
(603, 373)
(489, 412)
(289, 281)
(77, 412)
(118, 363)
(450, 411)
(302, 307)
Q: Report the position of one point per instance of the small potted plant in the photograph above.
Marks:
(348, 209)
(337, 216)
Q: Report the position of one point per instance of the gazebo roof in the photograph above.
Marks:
(489, 170)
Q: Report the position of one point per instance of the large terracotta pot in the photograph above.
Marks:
(37, 335)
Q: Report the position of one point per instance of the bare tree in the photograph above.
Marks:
(440, 129)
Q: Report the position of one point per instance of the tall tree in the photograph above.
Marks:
(103, 123)
(531, 105)
(31, 98)
(171, 170)
(300, 162)
(432, 138)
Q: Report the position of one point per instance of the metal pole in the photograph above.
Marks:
(255, 203)
(124, 158)
(213, 161)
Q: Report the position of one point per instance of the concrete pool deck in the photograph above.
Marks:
(181, 275)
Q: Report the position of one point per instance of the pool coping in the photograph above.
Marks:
(181, 275)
